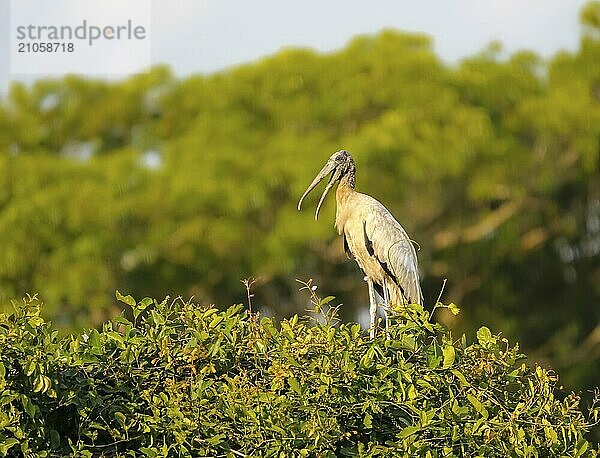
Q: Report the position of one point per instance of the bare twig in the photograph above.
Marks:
(437, 302)
(441, 290)
(321, 307)
(248, 282)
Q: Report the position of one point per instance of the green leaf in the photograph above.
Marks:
(484, 335)
(125, 299)
(449, 355)
(145, 302)
(28, 406)
(95, 342)
(6, 445)
(408, 431)
(326, 300)
(120, 416)
(157, 317)
(30, 368)
(368, 421)
(479, 407)
(294, 385)
(423, 419)
(215, 440)
(35, 321)
(367, 360)
(580, 448)
(453, 308)
(54, 438)
(215, 321)
(551, 435)
(41, 384)
(461, 378)
(122, 320)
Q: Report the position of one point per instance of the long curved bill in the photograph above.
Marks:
(328, 168)
(322, 199)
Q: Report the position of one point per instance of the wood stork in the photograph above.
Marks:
(372, 236)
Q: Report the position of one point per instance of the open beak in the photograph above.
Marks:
(328, 168)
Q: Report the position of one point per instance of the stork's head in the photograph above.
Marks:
(340, 165)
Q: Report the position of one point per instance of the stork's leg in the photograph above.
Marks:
(372, 307)
(386, 300)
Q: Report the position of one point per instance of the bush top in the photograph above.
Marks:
(180, 379)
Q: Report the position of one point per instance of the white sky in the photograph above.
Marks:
(207, 35)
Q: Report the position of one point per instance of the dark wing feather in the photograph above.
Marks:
(347, 248)
(394, 250)
(368, 243)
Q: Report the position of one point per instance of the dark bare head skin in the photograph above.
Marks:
(340, 165)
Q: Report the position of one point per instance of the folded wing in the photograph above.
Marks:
(389, 243)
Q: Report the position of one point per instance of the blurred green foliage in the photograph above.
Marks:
(185, 380)
(158, 185)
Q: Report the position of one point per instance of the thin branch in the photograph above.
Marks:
(441, 290)
(435, 306)
(248, 282)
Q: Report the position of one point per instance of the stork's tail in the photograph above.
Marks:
(397, 297)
